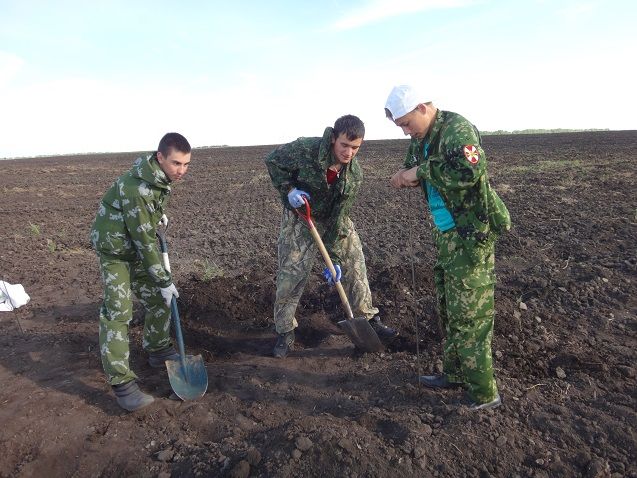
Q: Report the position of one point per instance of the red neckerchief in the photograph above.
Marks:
(332, 176)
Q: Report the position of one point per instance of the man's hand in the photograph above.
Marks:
(295, 197)
(168, 292)
(163, 221)
(331, 280)
(405, 178)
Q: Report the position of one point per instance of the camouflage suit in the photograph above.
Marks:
(123, 235)
(303, 164)
(451, 159)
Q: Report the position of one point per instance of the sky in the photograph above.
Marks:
(111, 76)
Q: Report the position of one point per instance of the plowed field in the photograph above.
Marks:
(564, 345)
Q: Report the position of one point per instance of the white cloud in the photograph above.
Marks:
(574, 11)
(76, 114)
(377, 10)
(82, 114)
(10, 65)
(258, 106)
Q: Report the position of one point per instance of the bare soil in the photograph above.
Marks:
(564, 346)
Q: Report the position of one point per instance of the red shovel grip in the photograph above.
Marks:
(307, 216)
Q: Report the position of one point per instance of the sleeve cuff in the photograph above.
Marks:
(422, 173)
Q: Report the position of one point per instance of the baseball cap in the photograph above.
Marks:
(403, 99)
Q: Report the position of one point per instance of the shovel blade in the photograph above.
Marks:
(189, 381)
(362, 335)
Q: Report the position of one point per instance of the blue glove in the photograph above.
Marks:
(328, 275)
(295, 197)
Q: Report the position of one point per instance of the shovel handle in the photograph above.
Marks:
(174, 312)
(178, 335)
(307, 217)
(163, 248)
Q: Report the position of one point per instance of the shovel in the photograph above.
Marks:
(358, 329)
(188, 376)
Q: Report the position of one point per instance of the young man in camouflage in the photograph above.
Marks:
(446, 159)
(326, 172)
(123, 235)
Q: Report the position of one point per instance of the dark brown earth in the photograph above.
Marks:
(564, 346)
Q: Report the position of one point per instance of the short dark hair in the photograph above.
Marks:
(351, 125)
(173, 141)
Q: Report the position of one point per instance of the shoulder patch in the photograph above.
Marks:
(471, 153)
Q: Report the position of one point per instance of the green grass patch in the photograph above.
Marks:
(548, 166)
(34, 229)
(208, 270)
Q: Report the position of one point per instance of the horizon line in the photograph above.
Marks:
(483, 133)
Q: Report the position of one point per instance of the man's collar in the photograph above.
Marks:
(435, 127)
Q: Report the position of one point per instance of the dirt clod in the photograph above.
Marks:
(166, 455)
(253, 456)
(303, 443)
(598, 468)
(241, 470)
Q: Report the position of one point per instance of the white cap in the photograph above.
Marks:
(403, 99)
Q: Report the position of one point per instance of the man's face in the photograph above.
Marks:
(345, 149)
(416, 123)
(175, 164)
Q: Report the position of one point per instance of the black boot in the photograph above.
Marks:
(158, 358)
(438, 381)
(283, 344)
(381, 329)
(130, 397)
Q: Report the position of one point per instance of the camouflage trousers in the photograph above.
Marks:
(297, 254)
(466, 308)
(120, 278)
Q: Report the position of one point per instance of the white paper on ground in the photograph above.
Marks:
(12, 296)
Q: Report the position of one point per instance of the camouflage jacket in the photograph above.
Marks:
(303, 164)
(451, 158)
(128, 215)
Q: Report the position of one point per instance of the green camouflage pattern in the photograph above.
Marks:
(127, 218)
(297, 254)
(123, 235)
(465, 291)
(464, 271)
(303, 164)
(120, 278)
(479, 213)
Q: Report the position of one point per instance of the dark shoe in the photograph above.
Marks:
(283, 344)
(438, 381)
(381, 329)
(158, 359)
(496, 402)
(130, 397)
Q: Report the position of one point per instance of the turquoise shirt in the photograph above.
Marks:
(439, 212)
(441, 215)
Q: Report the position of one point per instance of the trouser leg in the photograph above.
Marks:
(157, 314)
(296, 255)
(470, 335)
(354, 277)
(450, 360)
(466, 300)
(116, 313)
